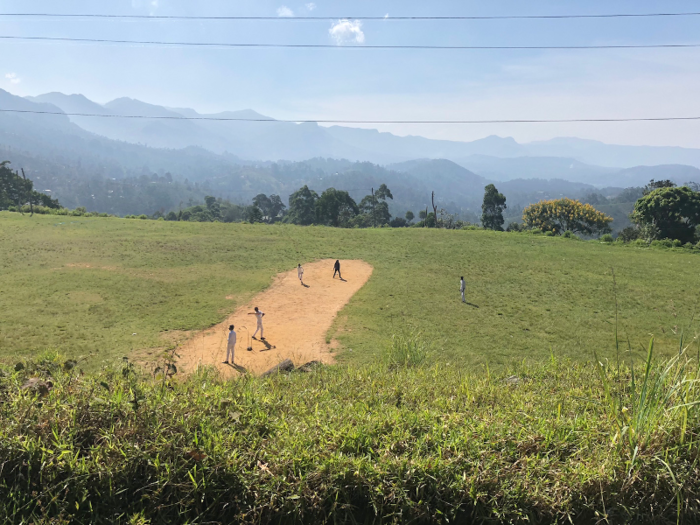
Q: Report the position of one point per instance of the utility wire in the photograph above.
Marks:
(297, 18)
(331, 121)
(332, 46)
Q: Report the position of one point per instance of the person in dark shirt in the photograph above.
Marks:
(336, 268)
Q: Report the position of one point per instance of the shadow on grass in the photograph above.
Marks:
(237, 368)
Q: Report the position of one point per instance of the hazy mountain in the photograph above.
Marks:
(594, 152)
(504, 169)
(641, 175)
(270, 140)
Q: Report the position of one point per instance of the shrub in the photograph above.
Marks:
(549, 233)
(629, 234)
(535, 231)
(677, 243)
(566, 214)
(640, 242)
(607, 238)
(514, 227)
(568, 234)
(662, 243)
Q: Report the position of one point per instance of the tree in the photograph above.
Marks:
(18, 191)
(376, 207)
(277, 207)
(492, 209)
(271, 206)
(398, 222)
(213, 206)
(335, 208)
(561, 215)
(674, 212)
(253, 214)
(384, 193)
(302, 206)
(409, 216)
(657, 184)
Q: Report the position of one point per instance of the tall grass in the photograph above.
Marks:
(407, 349)
(353, 445)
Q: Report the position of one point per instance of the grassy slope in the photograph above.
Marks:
(534, 293)
(348, 445)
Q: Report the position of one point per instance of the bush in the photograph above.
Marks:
(514, 227)
(640, 242)
(629, 234)
(568, 234)
(549, 233)
(677, 243)
(398, 222)
(607, 238)
(535, 231)
(662, 243)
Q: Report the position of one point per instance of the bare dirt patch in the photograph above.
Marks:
(296, 321)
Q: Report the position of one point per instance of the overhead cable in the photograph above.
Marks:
(327, 18)
(340, 121)
(333, 46)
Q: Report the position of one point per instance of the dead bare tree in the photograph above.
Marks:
(31, 204)
(432, 200)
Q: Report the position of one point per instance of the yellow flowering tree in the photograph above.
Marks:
(561, 215)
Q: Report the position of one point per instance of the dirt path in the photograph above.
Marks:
(296, 321)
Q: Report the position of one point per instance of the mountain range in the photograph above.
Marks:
(123, 165)
(270, 140)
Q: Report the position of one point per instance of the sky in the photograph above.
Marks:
(345, 83)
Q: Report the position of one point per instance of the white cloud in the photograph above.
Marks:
(13, 78)
(284, 11)
(310, 6)
(347, 31)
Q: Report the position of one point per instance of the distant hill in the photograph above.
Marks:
(86, 168)
(270, 140)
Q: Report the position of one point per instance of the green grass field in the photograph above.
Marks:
(535, 294)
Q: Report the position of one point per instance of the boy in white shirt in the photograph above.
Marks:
(462, 287)
(258, 315)
(231, 344)
(300, 274)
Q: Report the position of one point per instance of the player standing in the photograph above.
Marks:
(462, 287)
(300, 274)
(231, 344)
(336, 268)
(258, 315)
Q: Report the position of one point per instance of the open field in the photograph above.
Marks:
(113, 287)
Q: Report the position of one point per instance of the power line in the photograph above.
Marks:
(331, 121)
(327, 18)
(331, 46)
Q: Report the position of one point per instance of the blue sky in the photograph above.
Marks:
(378, 84)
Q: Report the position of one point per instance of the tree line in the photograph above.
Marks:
(663, 211)
(17, 190)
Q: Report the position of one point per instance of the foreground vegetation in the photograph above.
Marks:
(108, 287)
(404, 441)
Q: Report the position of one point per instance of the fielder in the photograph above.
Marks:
(300, 274)
(336, 269)
(231, 345)
(462, 287)
(258, 315)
